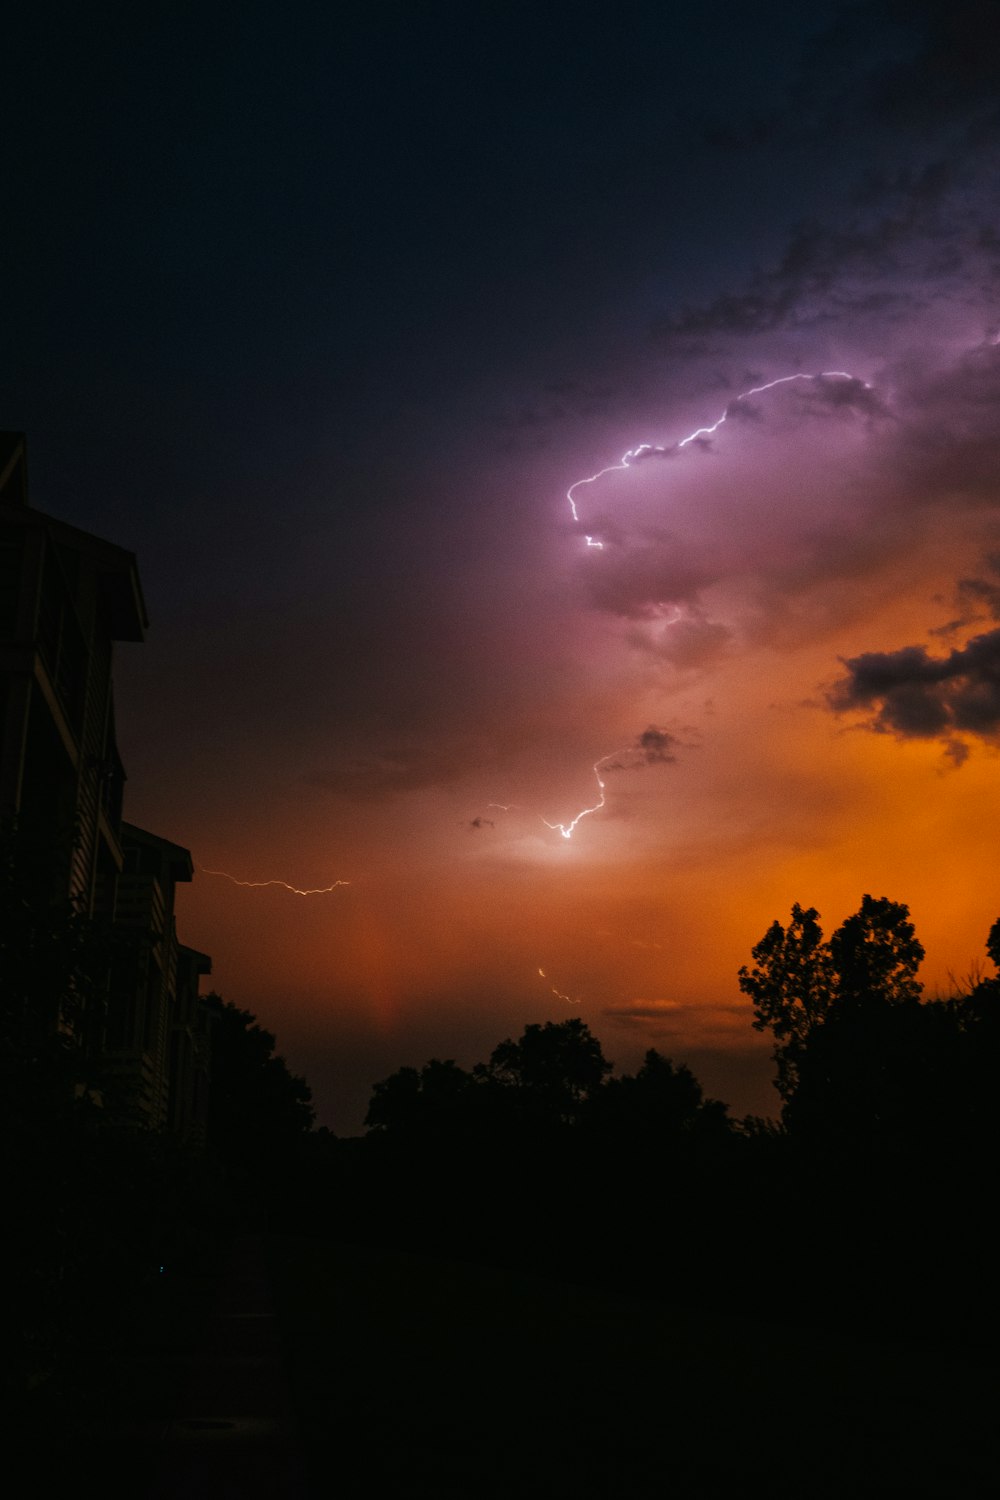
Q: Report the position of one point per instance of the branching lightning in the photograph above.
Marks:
(323, 890)
(628, 460)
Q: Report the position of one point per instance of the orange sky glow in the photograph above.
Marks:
(325, 317)
(806, 548)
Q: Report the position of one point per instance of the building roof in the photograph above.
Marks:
(116, 568)
(177, 859)
(201, 961)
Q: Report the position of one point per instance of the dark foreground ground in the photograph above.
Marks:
(422, 1377)
(303, 1367)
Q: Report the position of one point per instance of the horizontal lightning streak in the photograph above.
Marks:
(323, 890)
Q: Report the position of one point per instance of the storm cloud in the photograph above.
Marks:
(653, 747)
(914, 695)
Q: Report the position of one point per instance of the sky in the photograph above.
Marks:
(334, 315)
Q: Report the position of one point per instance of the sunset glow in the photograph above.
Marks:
(457, 739)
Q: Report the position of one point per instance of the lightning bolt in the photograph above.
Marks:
(323, 890)
(669, 450)
(566, 829)
(624, 760)
(558, 993)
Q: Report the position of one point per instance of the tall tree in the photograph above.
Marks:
(791, 988)
(800, 985)
(875, 955)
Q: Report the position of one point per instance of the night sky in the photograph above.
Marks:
(321, 310)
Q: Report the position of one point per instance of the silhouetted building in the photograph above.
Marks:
(143, 1005)
(65, 598)
(190, 1050)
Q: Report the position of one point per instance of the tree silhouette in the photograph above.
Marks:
(791, 988)
(662, 1104)
(845, 1051)
(551, 1072)
(258, 1109)
(875, 955)
(977, 1015)
(420, 1104)
(993, 944)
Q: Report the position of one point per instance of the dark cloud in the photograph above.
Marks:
(957, 752)
(480, 823)
(657, 745)
(978, 598)
(983, 594)
(653, 747)
(902, 231)
(917, 696)
(823, 273)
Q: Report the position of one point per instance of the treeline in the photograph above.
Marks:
(867, 1203)
(553, 1079)
(863, 1060)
